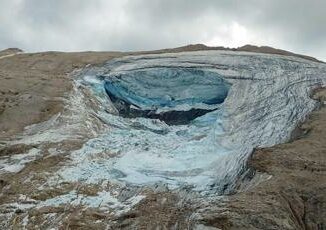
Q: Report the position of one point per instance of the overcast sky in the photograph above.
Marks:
(73, 25)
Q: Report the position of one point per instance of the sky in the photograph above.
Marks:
(131, 25)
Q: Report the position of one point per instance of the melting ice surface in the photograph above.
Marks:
(140, 148)
(174, 119)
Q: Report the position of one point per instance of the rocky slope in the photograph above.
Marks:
(75, 171)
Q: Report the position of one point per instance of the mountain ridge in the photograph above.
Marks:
(189, 48)
(245, 48)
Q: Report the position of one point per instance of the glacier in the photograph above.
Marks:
(246, 101)
(184, 120)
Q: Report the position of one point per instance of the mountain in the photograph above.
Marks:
(10, 51)
(194, 137)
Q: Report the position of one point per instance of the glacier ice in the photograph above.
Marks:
(249, 100)
(174, 95)
(142, 151)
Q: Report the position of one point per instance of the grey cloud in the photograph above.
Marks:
(37, 25)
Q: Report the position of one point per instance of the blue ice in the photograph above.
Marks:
(142, 151)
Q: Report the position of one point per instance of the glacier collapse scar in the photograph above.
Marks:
(173, 95)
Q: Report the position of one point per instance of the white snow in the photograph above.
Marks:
(103, 200)
(16, 163)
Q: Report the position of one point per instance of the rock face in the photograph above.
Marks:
(141, 137)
